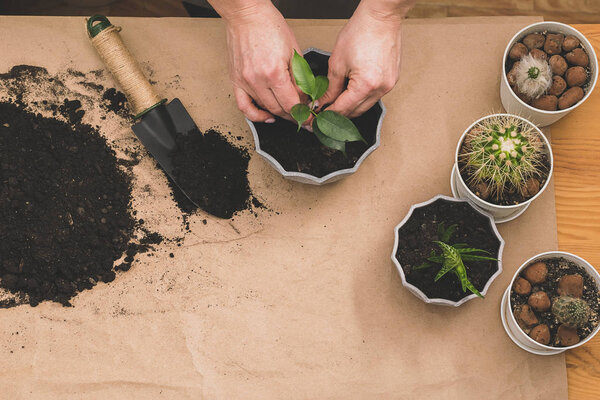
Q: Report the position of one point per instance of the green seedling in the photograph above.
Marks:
(331, 128)
(503, 152)
(452, 258)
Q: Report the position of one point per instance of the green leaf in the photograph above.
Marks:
(303, 75)
(459, 245)
(452, 259)
(466, 283)
(300, 112)
(338, 127)
(467, 250)
(327, 141)
(422, 266)
(446, 267)
(436, 259)
(472, 257)
(447, 234)
(321, 85)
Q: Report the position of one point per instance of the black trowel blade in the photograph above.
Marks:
(157, 130)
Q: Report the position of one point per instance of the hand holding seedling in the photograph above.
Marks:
(367, 53)
(260, 48)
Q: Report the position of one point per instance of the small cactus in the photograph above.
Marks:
(571, 311)
(533, 76)
(502, 152)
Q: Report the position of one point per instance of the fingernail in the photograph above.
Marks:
(270, 120)
(308, 128)
(317, 104)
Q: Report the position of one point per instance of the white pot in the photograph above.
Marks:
(311, 179)
(500, 213)
(415, 290)
(509, 321)
(514, 105)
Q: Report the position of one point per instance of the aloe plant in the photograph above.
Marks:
(331, 128)
(452, 258)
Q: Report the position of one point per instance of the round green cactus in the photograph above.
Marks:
(503, 152)
(571, 311)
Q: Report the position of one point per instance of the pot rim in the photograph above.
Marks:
(589, 268)
(330, 176)
(415, 290)
(587, 46)
(548, 148)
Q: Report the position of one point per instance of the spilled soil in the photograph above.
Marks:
(415, 244)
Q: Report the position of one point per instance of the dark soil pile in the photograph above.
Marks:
(302, 151)
(415, 245)
(558, 267)
(213, 172)
(64, 205)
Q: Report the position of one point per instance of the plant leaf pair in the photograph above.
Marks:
(315, 87)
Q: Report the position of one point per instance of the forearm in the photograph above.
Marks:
(239, 10)
(389, 10)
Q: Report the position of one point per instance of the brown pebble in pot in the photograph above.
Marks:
(541, 334)
(546, 102)
(558, 86)
(570, 43)
(553, 44)
(539, 301)
(558, 65)
(534, 41)
(511, 76)
(571, 285)
(567, 336)
(575, 76)
(525, 316)
(570, 97)
(539, 54)
(522, 286)
(517, 51)
(536, 273)
(578, 57)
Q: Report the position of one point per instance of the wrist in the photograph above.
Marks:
(389, 11)
(242, 11)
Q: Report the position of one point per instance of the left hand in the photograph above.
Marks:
(367, 53)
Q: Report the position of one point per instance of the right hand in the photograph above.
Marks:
(261, 45)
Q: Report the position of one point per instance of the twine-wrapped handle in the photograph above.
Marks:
(119, 61)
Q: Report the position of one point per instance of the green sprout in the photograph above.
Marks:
(503, 152)
(331, 128)
(452, 258)
(533, 72)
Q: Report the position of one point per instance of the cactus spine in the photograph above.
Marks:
(502, 152)
(571, 311)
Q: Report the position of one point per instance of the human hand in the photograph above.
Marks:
(261, 45)
(367, 53)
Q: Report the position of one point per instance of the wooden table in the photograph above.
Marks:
(576, 145)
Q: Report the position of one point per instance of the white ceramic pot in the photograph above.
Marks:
(415, 290)
(509, 321)
(514, 105)
(500, 213)
(311, 179)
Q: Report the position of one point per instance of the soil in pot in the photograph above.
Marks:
(415, 244)
(535, 284)
(565, 65)
(64, 205)
(302, 151)
(481, 174)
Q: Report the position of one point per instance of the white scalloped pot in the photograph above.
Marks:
(311, 179)
(511, 326)
(500, 213)
(514, 105)
(415, 290)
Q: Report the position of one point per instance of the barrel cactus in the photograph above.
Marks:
(571, 311)
(502, 152)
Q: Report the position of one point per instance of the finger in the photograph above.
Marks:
(286, 95)
(349, 100)
(337, 79)
(363, 107)
(267, 100)
(253, 113)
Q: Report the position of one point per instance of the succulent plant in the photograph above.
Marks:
(452, 258)
(533, 76)
(502, 151)
(571, 311)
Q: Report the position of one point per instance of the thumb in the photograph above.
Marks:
(336, 86)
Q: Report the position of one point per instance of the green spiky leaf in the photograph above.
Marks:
(447, 233)
(472, 257)
(305, 79)
(300, 112)
(423, 265)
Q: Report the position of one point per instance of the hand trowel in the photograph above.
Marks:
(158, 121)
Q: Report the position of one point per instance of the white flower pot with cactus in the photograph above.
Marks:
(502, 164)
(551, 304)
(548, 70)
